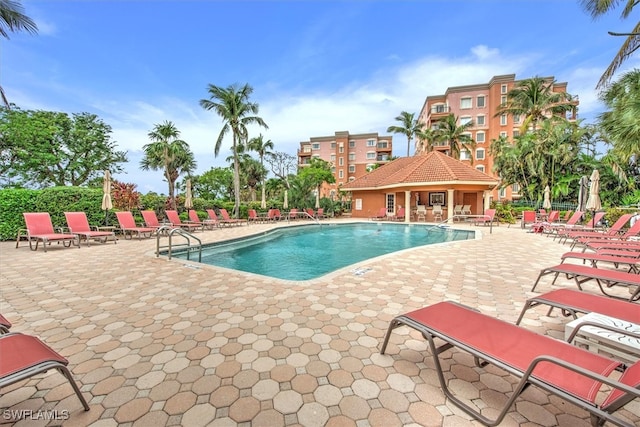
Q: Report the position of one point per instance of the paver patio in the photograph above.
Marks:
(155, 342)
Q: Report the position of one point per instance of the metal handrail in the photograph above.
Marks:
(170, 231)
(471, 216)
(317, 221)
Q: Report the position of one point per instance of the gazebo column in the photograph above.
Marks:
(486, 195)
(407, 205)
(450, 203)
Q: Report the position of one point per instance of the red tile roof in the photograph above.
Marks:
(426, 169)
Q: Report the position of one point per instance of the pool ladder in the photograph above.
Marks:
(188, 245)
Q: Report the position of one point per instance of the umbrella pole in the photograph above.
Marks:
(106, 217)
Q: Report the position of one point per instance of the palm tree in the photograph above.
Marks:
(535, 100)
(408, 126)
(233, 106)
(13, 19)
(599, 7)
(427, 139)
(262, 147)
(168, 153)
(457, 136)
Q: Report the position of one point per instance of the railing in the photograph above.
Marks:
(170, 232)
(440, 109)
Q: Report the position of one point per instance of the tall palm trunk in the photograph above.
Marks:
(236, 178)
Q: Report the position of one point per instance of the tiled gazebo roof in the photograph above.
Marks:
(434, 168)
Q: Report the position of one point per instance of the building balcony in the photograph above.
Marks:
(439, 110)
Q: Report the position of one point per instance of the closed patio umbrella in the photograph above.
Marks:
(593, 202)
(583, 188)
(546, 203)
(106, 195)
(188, 198)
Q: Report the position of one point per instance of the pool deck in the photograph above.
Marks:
(154, 342)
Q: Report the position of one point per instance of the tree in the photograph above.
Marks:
(232, 104)
(316, 173)
(45, 148)
(168, 153)
(408, 127)
(262, 147)
(282, 165)
(427, 139)
(216, 183)
(598, 8)
(620, 124)
(253, 173)
(535, 100)
(456, 135)
(13, 19)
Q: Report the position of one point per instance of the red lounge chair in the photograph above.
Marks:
(632, 232)
(227, 219)
(24, 356)
(195, 219)
(583, 273)
(254, 217)
(588, 227)
(529, 217)
(320, 213)
(310, 213)
(382, 214)
(400, 215)
(571, 223)
(5, 325)
(129, 227)
(213, 218)
(631, 262)
(571, 302)
(151, 220)
(487, 218)
(614, 231)
(79, 225)
(557, 367)
(174, 219)
(40, 229)
(293, 214)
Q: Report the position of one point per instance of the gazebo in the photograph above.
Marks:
(424, 180)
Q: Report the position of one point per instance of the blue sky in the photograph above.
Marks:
(316, 67)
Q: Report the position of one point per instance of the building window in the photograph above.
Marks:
(315, 146)
(480, 137)
(516, 133)
(352, 168)
(371, 155)
(341, 149)
(341, 161)
(480, 120)
(352, 157)
(333, 158)
(315, 156)
(440, 108)
(340, 174)
(465, 155)
(352, 178)
(464, 120)
(480, 101)
(503, 100)
(333, 145)
(467, 134)
(391, 202)
(383, 144)
(333, 170)
(515, 188)
(503, 88)
(502, 193)
(516, 118)
(480, 154)
(480, 168)
(503, 119)
(352, 144)
(371, 142)
(503, 134)
(465, 102)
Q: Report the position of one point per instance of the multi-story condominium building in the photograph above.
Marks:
(479, 104)
(350, 155)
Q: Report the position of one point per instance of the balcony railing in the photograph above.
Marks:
(440, 109)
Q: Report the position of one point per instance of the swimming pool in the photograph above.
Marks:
(310, 251)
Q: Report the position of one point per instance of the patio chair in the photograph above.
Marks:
(487, 218)
(582, 273)
(457, 210)
(421, 213)
(437, 213)
(292, 214)
(615, 230)
(40, 229)
(466, 210)
(382, 214)
(310, 213)
(226, 218)
(632, 263)
(627, 236)
(556, 367)
(213, 218)
(129, 227)
(151, 220)
(5, 325)
(253, 216)
(558, 229)
(400, 215)
(174, 219)
(195, 219)
(320, 213)
(529, 217)
(567, 215)
(79, 225)
(24, 356)
(571, 302)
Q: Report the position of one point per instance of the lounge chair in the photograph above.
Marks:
(632, 263)
(571, 302)
(151, 220)
(421, 213)
(559, 368)
(437, 213)
(382, 214)
(310, 213)
(571, 223)
(457, 211)
(79, 225)
(213, 218)
(529, 217)
(254, 217)
(129, 227)
(614, 231)
(582, 273)
(487, 218)
(174, 219)
(226, 218)
(400, 215)
(588, 227)
(274, 215)
(466, 210)
(195, 219)
(567, 215)
(293, 214)
(631, 233)
(5, 325)
(320, 213)
(40, 229)
(24, 356)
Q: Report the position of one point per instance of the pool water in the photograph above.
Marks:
(310, 251)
